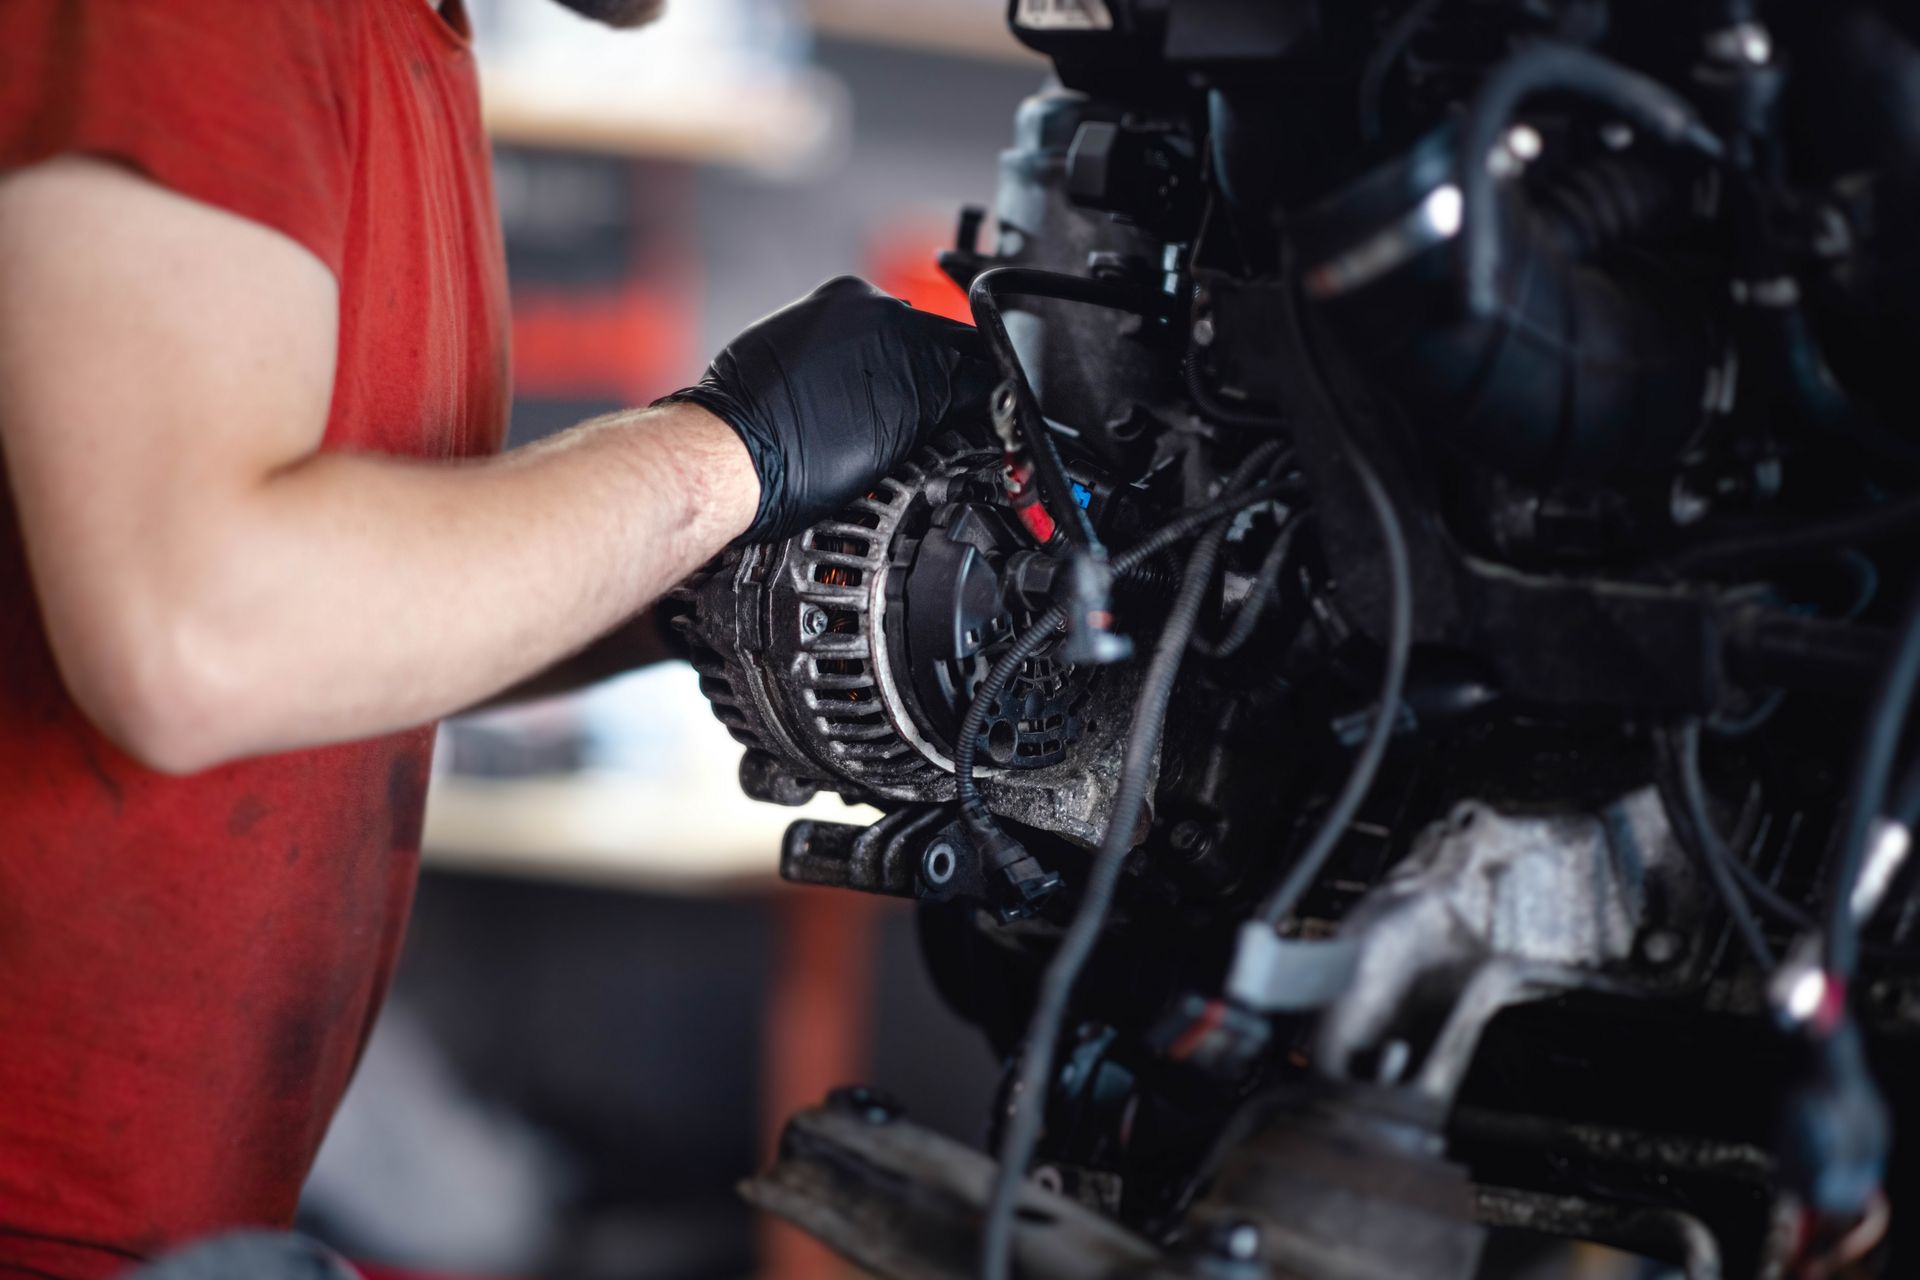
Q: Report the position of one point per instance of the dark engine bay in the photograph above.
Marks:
(1396, 722)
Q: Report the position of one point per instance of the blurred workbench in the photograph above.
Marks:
(691, 834)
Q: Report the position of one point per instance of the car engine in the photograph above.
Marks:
(1396, 719)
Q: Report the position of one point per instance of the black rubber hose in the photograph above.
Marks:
(989, 289)
(1035, 1071)
(1607, 202)
(1561, 69)
(1677, 756)
(1867, 790)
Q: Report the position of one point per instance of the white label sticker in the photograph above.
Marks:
(1063, 15)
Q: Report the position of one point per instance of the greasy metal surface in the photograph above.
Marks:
(905, 1203)
(1340, 1191)
(1662, 1233)
(1487, 910)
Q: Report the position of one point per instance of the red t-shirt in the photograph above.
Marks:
(189, 967)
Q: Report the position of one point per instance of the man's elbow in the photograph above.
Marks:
(153, 698)
(164, 740)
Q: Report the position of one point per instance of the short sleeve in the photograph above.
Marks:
(241, 104)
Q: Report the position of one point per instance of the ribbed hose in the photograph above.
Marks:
(1604, 204)
(1644, 102)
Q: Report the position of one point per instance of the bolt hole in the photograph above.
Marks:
(1002, 741)
(1038, 1217)
(940, 864)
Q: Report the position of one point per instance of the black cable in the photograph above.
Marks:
(1265, 580)
(1035, 1071)
(1307, 867)
(1187, 523)
(1805, 538)
(1904, 809)
(984, 297)
(1217, 410)
(966, 747)
(1645, 103)
(981, 824)
(1684, 792)
(1393, 43)
(1867, 790)
(1770, 899)
(1393, 541)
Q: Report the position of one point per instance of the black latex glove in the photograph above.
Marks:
(834, 391)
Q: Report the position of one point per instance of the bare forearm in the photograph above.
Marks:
(347, 595)
(638, 642)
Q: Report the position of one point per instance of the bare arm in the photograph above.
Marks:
(212, 586)
(638, 642)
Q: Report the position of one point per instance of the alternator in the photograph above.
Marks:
(844, 657)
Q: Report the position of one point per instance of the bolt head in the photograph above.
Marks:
(813, 621)
(1237, 1241)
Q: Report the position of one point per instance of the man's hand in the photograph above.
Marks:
(836, 390)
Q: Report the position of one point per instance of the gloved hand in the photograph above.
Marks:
(833, 391)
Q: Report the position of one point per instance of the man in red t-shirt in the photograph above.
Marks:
(253, 541)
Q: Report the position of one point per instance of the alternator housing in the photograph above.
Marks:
(843, 657)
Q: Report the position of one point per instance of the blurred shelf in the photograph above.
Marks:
(776, 127)
(614, 830)
(969, 29)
